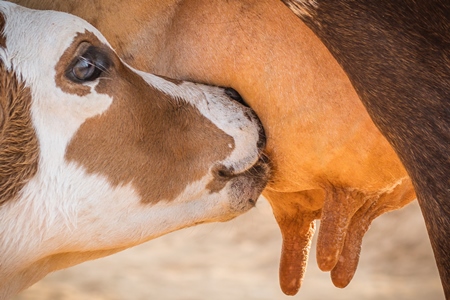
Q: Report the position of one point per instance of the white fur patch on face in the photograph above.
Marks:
(35, 42)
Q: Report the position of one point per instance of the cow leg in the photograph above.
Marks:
(295, 214)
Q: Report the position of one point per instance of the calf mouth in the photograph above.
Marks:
(255, 179)
(244, 186)
(251, 182)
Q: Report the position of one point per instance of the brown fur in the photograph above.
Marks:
(397, 56)
(18, 142)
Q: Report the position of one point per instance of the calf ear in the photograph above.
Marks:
(18, 141)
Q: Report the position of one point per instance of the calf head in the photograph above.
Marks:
(97, 157)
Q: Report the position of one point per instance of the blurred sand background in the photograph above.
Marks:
(239, 260)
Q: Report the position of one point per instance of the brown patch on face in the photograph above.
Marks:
(157, 143)
(2, 37)
(64, 62)
(19, 150)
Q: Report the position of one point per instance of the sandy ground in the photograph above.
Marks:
(239, 260)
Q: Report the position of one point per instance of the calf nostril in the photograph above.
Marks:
(224, 172)
(233, 94)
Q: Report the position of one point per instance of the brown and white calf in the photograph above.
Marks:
(96, 156)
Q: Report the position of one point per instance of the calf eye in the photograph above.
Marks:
(89, 64)
(85, 69)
